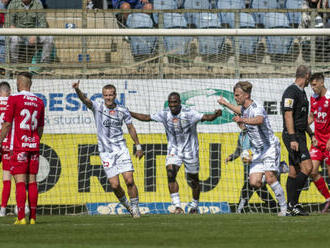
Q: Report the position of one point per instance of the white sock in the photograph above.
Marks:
(194, 203)
(176, 200)
(241, 205)
(124, 201)
(279, 194)
(135, 203)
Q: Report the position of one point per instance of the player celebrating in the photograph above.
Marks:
(320, 149)
(265, 145)
(24, 121)
(5, 156)
(180, 126)
(109, 118)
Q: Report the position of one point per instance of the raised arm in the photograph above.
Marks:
(140, 117)
(211, 117)
(82, 96)
(133, 134)
(232, 107)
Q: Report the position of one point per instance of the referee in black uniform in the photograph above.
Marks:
(295, 108)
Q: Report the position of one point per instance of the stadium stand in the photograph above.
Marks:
(262, 4)
(163, 5)
(142, 47)
(177, 46)
(195, 4)
(211, 47)
(294, 17)
(280, 48)
(250, 47)
(228, 19)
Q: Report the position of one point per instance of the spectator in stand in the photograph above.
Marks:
(306, 19)
(97, 4)
(29, 20)
(3, 5)
(131, 4)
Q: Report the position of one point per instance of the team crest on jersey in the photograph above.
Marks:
(112, 112)
(21, 156)
(175, 120)
(288, 102)
(326, 104)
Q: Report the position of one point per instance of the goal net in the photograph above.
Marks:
(145, 69)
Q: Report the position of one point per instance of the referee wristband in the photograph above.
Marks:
(292, 137)
(138, 147)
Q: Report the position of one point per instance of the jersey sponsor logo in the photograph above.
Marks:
(28, 139)
(288, 102)
(29, 145)
(112, 112)
(30, 98)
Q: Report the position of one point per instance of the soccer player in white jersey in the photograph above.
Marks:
(181, 130)
(265, 145)
(109, 118)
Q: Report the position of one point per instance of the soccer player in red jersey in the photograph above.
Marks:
(320, 149)
(5, 156)
(24, 121)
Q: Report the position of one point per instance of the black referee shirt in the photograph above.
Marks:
(294, 99)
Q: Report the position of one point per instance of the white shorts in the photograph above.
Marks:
(191, 165)
(116, 162)
(268, 160)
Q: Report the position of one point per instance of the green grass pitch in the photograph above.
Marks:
(227, 230)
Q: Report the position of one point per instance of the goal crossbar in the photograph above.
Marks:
(163, 32)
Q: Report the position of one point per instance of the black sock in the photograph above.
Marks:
(291, 190)
(300, 182)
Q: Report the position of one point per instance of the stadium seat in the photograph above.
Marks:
(178, 46)
(263, 4)
(280, 47)
(294, 17)
(141, 46)
(228, 19)
(164, 4)
(249, 46)
(210, 47)
(195, 4)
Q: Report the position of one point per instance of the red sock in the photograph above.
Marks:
(5, 193)
(33, 199)
(20, 200)
(322, 187)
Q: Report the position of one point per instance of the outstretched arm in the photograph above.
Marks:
(133, 134)
(232, 107)
(140, 117)
(211, 117)
(258, 120)
(81, 95)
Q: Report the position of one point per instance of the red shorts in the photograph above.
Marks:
(5, 161)
(319, 154)
(24, 163)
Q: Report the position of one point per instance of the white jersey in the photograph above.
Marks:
(109, 125)
(261, 136)
(181, 131)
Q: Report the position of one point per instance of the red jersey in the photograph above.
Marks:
(26, 113)
(3, 105)
(321, 112)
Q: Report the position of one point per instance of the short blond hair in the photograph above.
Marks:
(246, 86)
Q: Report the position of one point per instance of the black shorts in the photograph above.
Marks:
(296, 157)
